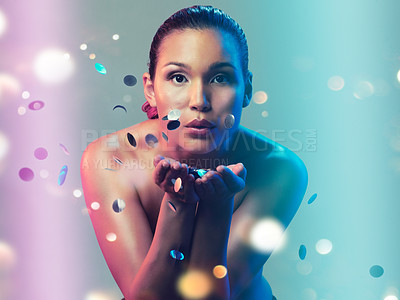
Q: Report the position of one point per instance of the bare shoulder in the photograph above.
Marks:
(119, 150)
(263, 156)
(276, 178)
(116, 165)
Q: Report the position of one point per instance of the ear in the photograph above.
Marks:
(148, 86)
(248, 89)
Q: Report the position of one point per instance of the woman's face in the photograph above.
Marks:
(199, 73)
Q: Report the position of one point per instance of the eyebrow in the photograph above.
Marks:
(213, 66)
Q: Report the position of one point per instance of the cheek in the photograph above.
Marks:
(168, 98)
(229, 109)
(226, 101)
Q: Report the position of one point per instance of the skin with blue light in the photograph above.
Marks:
(199, 73)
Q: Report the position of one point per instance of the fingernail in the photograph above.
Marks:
(220, 168)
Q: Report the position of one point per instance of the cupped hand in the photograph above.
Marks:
(221, 185)
(167, 171)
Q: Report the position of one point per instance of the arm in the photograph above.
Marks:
(210, 237)
(159, 271)
(275, 192)
(138, 262)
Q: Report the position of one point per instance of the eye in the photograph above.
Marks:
(221, 79)
(178, 78)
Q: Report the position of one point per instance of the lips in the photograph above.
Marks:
(200, 124)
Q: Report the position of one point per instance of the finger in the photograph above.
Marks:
(157, 159)
(189, 189)
(206, 183)
(184, 170)
(160, 171)
(218, 183)
(233, 182)
(180, 171)
(198, 186)
(238, 170)
(175, 171)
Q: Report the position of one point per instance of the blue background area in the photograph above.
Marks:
(351, 146)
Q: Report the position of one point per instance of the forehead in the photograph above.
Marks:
(199, 47)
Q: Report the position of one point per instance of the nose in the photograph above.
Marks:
(198, 97)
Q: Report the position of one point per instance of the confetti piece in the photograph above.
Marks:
(173, 124)
(118, 161)
(95, 205)
(363, 90)
(130, 80)
(312, 198)
(111, 237)
(201, 172)
(197, 173)
(120, 106)
(260, 97)
(220, 271)
(53, 65)
(108, 169)
(324, 246)
(77, 193)
(25, 95)
(229, 121)
(40, 153)
(175, 254)
(164, 136)
(171, 206)
(151, 140)
(174, 114)
(131, 139)
(266, 234)
(62, 176)
(21, 110)
(195, 284)
(64, 149)
(165, 118)
(36, 105)
(118, 205)
(376, 271)
(178, 185)
(26, 174)
(302, 252)
(335, 83)
(100, 68)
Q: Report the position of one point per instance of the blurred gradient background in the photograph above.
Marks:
(330, 71)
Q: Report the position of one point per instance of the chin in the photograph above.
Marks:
(202, 147)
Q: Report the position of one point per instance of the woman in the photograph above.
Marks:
(172, 223)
